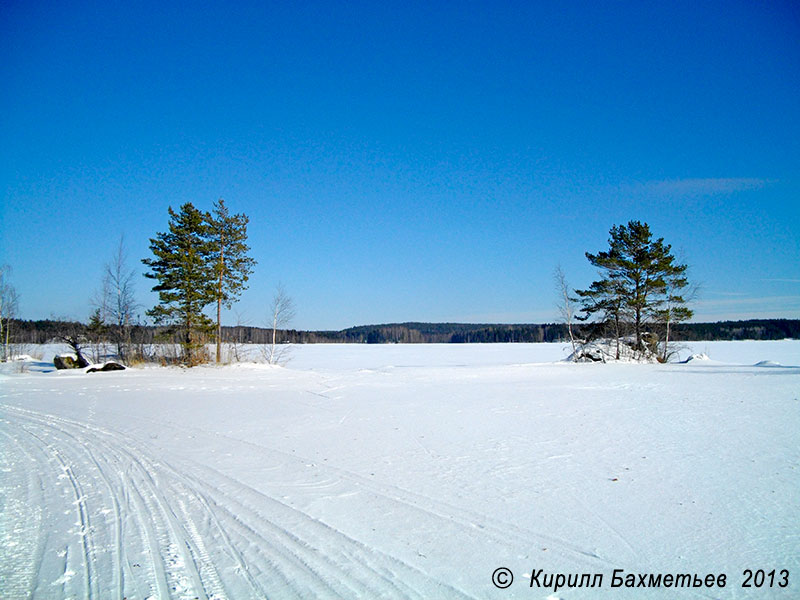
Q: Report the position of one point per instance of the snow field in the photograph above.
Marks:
(400, 472)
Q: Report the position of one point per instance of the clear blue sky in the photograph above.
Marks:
(429, 161)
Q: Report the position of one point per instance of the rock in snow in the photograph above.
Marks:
(106, 366)
(65, 361)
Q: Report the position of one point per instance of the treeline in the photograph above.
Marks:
(48, 330)
(405, 333)
(751, 329)
(450, 333)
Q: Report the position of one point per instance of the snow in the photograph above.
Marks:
(400, 471)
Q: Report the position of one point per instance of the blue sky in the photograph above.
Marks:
(405, 161)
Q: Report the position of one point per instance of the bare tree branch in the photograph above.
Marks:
(9, 303)
(566, 307)
(282, 311)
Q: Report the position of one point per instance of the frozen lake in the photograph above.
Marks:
(402, 471)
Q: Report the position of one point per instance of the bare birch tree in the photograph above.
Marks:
(674, 310)
(235, 341)
(9, 303)
(116, 300)
(282, 311)
(566, 306)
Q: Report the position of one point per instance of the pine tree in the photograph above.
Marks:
(96, 331)
(232, 267)
(606, 297)
(184, 270)
(635, 285)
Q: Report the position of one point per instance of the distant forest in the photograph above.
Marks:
(44, 331)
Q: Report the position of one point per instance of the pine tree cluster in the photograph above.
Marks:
(639, 297)
(201, 260)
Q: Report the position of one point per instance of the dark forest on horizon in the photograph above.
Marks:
(47, 330)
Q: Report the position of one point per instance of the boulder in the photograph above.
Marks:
(109, 366)
(65, 361)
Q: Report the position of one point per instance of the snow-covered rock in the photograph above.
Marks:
(605, 350)
(65, 361)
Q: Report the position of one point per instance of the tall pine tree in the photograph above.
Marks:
(638, 273)
(184, 271)
(232, 266)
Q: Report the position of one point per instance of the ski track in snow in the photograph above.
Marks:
(90, 511)
(159, 523)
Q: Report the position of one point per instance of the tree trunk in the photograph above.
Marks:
(219, 304)
(219, 331)
(567, 308)
(274, 331)
(187, 350)
(82, 362)
(572, 340)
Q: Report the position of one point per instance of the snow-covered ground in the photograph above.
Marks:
(402, 471)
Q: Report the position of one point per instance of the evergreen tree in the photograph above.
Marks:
(184, 270)
(606, 297)
(232, 267)
(96, 331)
(638, 272)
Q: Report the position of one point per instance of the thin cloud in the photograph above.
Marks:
(698, 186)
(718, 293)
(788, 302)
(782, 280)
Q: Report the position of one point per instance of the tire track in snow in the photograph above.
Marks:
(468, 520)
(342, 553)
(118, 574)
(497, 529)
(21, 547)
(239, 517)
(85, 531)
(161, 528)
(175, 543)
(159, 584)
(296, 549)
(341, 566)
(119, 559)
(304, 562)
